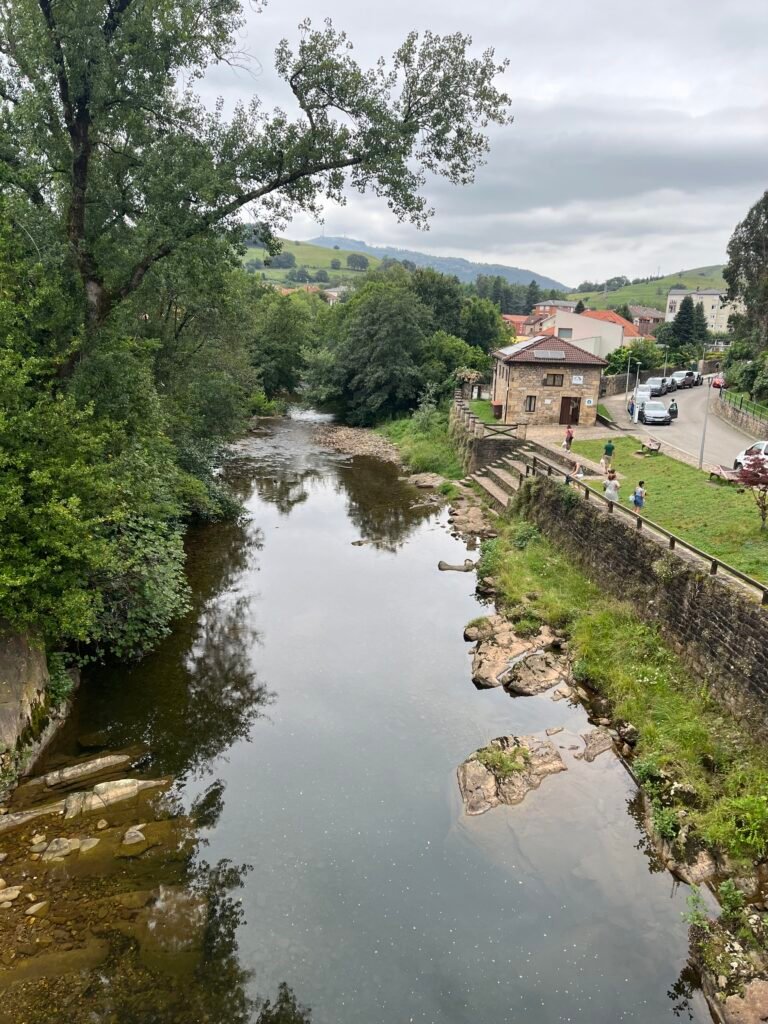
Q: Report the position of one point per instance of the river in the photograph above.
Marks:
(312, 710)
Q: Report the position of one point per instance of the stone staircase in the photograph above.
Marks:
(500, 480)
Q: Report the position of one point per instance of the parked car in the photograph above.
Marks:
(757, 450)
(655, 413)
(719, 382)
(670, 382)
(658, 386)
(697, 377)
(683, 378)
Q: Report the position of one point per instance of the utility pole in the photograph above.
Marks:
(704, 430)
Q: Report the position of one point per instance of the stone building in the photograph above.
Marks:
(545, 380)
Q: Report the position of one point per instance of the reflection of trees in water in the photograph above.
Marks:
(197, 693)
(681, 993)
(379, 504)
(285, 490)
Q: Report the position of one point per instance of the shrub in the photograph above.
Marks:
(59, 680)
(503, 763)
(731, 898)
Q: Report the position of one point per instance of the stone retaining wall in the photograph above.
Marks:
(23, 679)
(746, 421)
(717, 629)
(467, 433)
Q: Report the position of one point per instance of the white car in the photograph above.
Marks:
(759, 449)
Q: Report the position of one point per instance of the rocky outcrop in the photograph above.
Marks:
(523, 665)
(23, 679)
(597, 742)
(751, 1008)
(426, 480)
(505, 771)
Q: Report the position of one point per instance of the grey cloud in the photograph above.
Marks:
(640, 133)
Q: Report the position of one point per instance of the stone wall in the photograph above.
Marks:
(468, 436)
(23, 679)
(720, 631)
(756, 426)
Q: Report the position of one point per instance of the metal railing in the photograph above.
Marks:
(744, 404)
(479, 427)
(538, 466)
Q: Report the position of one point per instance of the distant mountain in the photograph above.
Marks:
(465, 270)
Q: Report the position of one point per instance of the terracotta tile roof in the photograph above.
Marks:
(525, 351)
(610, 316)
(514, 318)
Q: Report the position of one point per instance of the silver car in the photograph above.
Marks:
(654, 413)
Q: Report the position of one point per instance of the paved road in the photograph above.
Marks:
(723, 442)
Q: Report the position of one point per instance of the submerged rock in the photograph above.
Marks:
(426, 480)
(106, 793)
(505, 771)
(596, 743)
(535, 673)
(171, 930)
(86, 770)
(467, 566)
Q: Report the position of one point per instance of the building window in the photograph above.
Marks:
(530, 403)
(672, 307)
(565, 333)
(553, 380)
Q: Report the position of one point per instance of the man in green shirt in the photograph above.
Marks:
(608, 449)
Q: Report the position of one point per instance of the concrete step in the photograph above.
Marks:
(499, 499)
(509, 482)
(517, 467)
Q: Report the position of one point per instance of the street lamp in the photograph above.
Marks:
(666, 350)
(630, 359)
(704, 429)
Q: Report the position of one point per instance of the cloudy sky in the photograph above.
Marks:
(640, 134)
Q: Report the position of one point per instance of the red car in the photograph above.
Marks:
(719, 382)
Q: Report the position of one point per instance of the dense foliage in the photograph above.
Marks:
(132, 342)
(376, 353)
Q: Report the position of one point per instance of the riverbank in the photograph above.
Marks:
(704, 779)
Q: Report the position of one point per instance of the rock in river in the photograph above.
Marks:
(500, 653)
(596, 743)
(505, 771)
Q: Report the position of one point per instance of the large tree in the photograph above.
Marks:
(100, 141)
(684, 323)
(746, 272)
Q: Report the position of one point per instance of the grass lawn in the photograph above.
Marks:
(481, 407)
(712, 516)
(602, 410)
(425, 444)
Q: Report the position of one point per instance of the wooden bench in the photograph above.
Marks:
(731, 476)
(650, 447)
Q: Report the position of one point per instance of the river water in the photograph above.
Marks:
(315, 704)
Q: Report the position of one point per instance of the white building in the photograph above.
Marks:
(716, 310)
(596, 336)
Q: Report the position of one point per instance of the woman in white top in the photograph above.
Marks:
(611, 487)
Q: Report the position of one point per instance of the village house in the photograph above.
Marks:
(546, 380)
(550, 306)
(593, 333)
(646, 319)
(515, 322)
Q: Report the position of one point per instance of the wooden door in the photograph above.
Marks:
(569, 411)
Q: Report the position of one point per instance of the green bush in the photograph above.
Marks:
(260, 405)
(59, 680)
(731, 899)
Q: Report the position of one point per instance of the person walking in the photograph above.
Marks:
(608, 449)
(631, 408)
(611, 487)
(568, 438)
(673, 410)
(639, 495)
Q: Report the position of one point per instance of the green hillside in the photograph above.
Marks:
(654, 293)
(314, 258)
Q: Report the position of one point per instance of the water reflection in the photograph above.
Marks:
(198, 693)
(384, 508)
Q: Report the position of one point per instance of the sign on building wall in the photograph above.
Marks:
(577, 378)
(589, 401)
